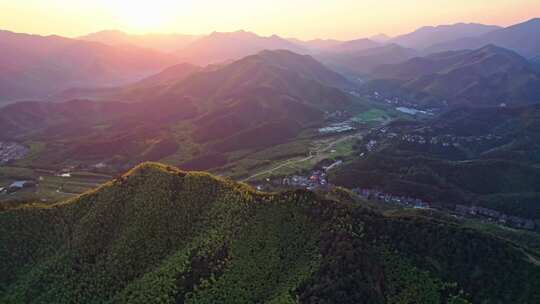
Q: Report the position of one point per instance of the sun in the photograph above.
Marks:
(146, 15)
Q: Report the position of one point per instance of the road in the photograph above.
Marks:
(312, 154)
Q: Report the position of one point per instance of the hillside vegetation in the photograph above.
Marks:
(160, 235)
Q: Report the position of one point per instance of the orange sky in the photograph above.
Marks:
(306, 19)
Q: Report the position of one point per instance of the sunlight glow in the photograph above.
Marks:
(142, 15)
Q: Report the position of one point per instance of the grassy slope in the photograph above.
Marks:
(159, 235)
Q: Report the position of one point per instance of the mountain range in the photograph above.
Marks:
(160, 235)
(36, 67)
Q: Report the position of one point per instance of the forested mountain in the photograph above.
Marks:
(522, 38)
(36, 66)
(489, 75)
(159, 235)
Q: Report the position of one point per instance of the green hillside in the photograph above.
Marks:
(160, 235)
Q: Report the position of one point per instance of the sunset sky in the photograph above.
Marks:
(306, 19)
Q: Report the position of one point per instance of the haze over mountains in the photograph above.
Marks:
(255, 102)
(221, 47)
(158, 42)
(522, 38)
(429, 35)
(362, 62)
(36, 66)
(263, 99)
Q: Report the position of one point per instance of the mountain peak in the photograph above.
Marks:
(491, 47)
(534, 20)
(159, 172)
(495, 49)
(239, 33)
(152, 167)
(380, 37)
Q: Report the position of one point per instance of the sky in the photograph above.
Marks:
(305, 19)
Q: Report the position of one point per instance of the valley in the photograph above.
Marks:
(236, 167)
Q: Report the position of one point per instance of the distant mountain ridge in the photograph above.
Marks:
(522, 38)
(34, 66)
(427, 36)
(158, 42)
(380, 38)
(362, 62)
(354, 46)
(222, 47)
(317, 44)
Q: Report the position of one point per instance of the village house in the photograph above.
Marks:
(496, 216)
(403, 201)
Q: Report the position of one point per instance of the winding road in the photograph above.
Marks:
(312, 154)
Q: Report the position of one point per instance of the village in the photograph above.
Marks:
(313, 180)
(445, 141)
(403, 201)
(10, 151)
(317, 179)
(401, 104)
(336, 128)
(16, 186)
(494, 216)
